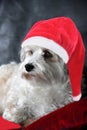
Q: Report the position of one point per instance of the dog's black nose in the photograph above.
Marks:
(29, 67)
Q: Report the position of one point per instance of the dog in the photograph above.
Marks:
(36, 86)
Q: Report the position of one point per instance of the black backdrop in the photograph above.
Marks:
(17, 16)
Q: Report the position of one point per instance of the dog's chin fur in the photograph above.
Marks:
(31, 95)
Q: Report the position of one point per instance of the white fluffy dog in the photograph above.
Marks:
(35, 87)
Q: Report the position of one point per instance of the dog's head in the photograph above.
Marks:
(42, 65)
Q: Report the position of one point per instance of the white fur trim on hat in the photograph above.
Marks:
(49, 44)
(77, 98)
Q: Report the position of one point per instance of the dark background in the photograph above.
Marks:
(17, 17)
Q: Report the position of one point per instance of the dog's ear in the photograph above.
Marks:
(22, 55)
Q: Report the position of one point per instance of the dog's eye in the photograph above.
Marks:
(47, 54)
(30, 52)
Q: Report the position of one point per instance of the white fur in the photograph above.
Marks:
(31, 95)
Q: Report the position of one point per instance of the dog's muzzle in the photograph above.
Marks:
(29, 67)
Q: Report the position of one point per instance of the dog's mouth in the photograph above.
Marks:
(27, 76)
(33, 76)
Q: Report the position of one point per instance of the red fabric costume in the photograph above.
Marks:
(71, 117)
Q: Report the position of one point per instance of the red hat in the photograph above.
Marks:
(62, 37)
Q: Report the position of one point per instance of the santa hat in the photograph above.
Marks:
(62, 37)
